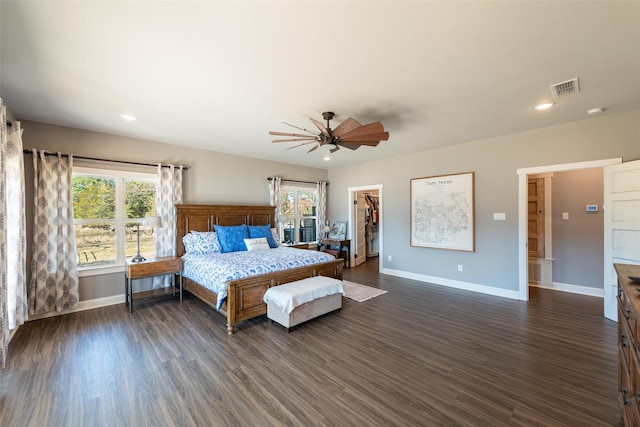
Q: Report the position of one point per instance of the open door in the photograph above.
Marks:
(621, 226)
(360, 244)
(357, 233)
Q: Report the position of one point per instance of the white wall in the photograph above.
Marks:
(494, 264)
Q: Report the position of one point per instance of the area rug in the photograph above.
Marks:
(359, 292)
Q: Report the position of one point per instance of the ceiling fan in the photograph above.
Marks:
(349, 134)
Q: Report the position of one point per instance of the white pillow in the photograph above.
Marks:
(256, 244)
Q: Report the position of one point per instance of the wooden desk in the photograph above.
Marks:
(150, 268)
(304, 245)
(328, 245)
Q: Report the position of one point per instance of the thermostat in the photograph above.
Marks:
(592, 208)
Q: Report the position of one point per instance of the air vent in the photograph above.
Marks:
(565, 88)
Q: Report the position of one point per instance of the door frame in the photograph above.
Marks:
(351, 194)
(523, 177)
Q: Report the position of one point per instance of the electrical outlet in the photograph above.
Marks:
(389, 258)
(460, 267)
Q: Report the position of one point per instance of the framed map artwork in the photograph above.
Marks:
(442, 213)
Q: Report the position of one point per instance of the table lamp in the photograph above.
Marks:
(147, 222)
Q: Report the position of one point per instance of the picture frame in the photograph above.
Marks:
(338, 230)
(442, 212)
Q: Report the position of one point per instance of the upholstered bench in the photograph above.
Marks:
(296, 302)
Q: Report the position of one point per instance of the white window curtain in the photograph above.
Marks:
(54, 272)
(274, 196)
(168, 194)
(321, 208)
(13, 286)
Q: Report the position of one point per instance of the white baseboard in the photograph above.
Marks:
(467, 286)
(574, 289)
(84, 305)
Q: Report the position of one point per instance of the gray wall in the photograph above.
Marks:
(213, 178)
(578, 242)
(494, 161)
(222, 178)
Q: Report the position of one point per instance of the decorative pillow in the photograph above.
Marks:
(262, 231)
(258, 244)
(231, 237)
(276, 236)
(197, 242)
(205, 242)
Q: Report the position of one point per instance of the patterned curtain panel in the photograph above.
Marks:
(321, 208)
(274, 199)
(13, 286)
(54, 272)
(168, 194)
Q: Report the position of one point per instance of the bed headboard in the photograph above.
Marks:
(204, 217)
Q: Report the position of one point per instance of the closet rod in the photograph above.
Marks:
(294, 180)
(105, 160)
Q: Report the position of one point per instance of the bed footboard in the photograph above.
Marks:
(245, 296)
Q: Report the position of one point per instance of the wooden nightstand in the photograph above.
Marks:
(150, 268)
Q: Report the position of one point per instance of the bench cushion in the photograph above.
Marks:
(291, 295)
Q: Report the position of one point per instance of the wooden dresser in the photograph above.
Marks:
(628, 343)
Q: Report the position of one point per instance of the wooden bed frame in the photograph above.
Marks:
(244, 296)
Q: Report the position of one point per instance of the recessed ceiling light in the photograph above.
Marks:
(596, 110)
(128, 117)
(326, 158)
(545, 106)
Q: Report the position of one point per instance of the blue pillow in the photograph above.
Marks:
(256, 231)
(231, 237)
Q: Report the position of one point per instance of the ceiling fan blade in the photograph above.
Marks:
(290, 134)
(320, 126)
(298, 127)
(347, 126)
(381, 136)
(300, 145)
(365, 142)
(311, 138)
(349, 145)
(368, 129)
(314, 148)
(333, 150)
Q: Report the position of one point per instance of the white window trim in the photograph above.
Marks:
(296, 219)
(119, 265)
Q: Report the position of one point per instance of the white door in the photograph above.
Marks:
(621, 226)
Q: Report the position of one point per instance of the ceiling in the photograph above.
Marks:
(219, 75)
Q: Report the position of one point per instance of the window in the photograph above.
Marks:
(298, 214)
(107, 207)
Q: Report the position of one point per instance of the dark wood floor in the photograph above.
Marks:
(419, 355)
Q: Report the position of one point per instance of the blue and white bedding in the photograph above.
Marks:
(214, 270)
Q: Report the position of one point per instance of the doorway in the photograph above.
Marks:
(523, 210)
(539, 216)
(365, 224)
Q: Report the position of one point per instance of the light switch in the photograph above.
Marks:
(565, 215)
(499, 216)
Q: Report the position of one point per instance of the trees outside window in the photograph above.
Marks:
(107, 206)
(298, 214)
